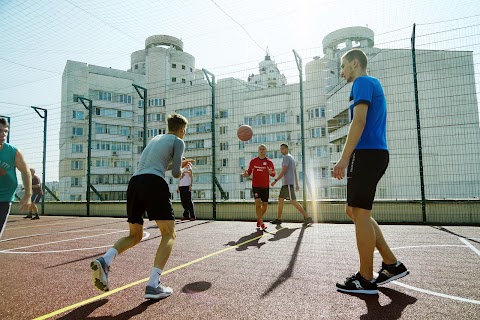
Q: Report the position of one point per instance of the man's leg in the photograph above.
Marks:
(300, 208)
(280, 208)
(382, 246)
(191, 206)
(184, 203)
(365, 233)
(155, 290)
(4, 212)
(125, 243)
(258, 211)
(264, 208)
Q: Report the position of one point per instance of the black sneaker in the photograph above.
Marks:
(35, 217)
(357, 284)
(276, 221)
(28, 217)
(391, 272)
(307, 221)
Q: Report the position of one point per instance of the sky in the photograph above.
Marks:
(226, 37)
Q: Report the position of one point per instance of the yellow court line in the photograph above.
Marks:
(106, 294)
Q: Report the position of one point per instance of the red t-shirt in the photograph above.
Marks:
(259, 167)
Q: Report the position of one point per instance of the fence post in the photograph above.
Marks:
(419, 134)
(89, 151)
(211, 81)
(44, 161)
(144, 97)
(298, 60)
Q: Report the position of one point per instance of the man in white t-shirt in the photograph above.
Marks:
(185, 190)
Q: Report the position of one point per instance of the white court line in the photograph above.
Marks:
(50, 233)
(433, 293)
(470, 246)
(69, 250)
(47, 225)
(59, 241)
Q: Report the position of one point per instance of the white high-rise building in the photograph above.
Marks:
(272, 108)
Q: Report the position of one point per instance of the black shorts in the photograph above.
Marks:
(364, 170)
(148, 193)
(288, 192)
(261, 193)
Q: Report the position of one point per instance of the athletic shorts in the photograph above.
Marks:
(4, 212)
(364, 170)
(36, 198)
(288, 192)
(261, 193)
(148, 193)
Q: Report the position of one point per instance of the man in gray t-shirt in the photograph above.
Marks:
(290, 178)
(148, 192)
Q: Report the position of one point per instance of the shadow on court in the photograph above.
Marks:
(282, 233)
(392, 311)
(287, 273)
(453, 233)
(85, 311)
(196, 287)
(242, 246)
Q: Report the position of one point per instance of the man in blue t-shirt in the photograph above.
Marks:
(11, 158)
(365, 156)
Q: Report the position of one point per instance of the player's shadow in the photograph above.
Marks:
(251, 240)
(84, 312)
(287, 273)
(196, 287)
(282, 233)
(393, 310)
(455, 234)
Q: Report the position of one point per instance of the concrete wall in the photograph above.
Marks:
(438, 212)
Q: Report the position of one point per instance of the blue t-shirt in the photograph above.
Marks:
(369, 91)
(8, 176)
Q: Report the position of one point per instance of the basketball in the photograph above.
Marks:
(245, 132)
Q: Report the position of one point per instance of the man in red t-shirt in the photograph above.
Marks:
(262, 168)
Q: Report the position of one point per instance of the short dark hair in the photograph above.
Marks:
(356, 54)
(4, 122)
(176, 122)
(284, 145)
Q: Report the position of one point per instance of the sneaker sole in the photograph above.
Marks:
(157, 296)
(398, 276)
(99, 279)
(358, 291)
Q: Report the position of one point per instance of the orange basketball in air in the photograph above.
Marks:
(245, 132)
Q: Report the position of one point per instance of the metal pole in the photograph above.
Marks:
(144, 97)
(419, 134)
(44, 161)
(298, 59)
(9, 127)
(89, 151)
(211, 82)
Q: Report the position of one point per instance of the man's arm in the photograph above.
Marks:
(296, 178)
(284, 169)
(354, 133)
(22, 166)
(248, 172)
(190, 172)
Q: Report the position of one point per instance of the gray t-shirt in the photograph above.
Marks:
(289, 176)
(159, 153)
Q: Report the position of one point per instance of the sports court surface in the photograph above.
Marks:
(228, 270)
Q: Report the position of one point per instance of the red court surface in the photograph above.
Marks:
(228, 270)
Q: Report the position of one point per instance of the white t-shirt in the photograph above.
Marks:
(186, 180)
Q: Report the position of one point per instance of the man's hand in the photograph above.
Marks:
(245, 174)
(178, 190)
(25, 203)
(271, 171)
(339, 169)
(187, 162)
(273, 183)
(190, 188)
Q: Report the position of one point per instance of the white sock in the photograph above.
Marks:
(110, 255)
(154, 277)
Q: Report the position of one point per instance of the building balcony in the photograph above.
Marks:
(109, 170)
(339, 133)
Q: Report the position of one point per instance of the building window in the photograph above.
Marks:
(174, 79)
(136, 66)
(78, 115)
(223, 130)
(77, 131)
(77, 148)
(224, 146)
(224, 162)
(191, 83)
(123, 98)
(241, 145)
(316, 113)
(223, 114)
(318, 132)
(184, 81)
(107, 96)
(77, 165)
(174, 65)
(76, 181)
(191, 69)
(242, 195)
(183, 67)
(201, 161)
(140, 103)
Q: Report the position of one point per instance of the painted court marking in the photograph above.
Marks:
(50, 224)
(106, 294)
(12, 250)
